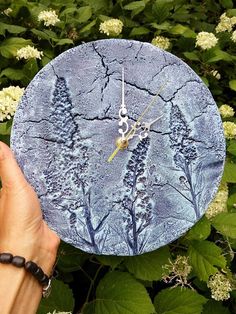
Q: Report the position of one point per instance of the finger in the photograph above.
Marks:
(10, 173)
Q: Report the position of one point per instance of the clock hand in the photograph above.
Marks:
(122, 144)
(146, 128)
(123, 111)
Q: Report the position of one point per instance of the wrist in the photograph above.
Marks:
(42, 252)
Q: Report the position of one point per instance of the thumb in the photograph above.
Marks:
(10, 173)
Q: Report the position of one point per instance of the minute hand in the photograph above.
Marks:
(133, 129)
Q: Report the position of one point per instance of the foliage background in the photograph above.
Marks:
(92, 284)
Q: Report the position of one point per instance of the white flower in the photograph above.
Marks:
(233, 20)
(220, 287)
(219, 203)
(226, 111)
(9, 99)
(229, 129)
(216, 74)
(8, 11)
(233, 37)
(111, 27)
(28, 52)
(161, 42)
(48, 17)
(225, 24)
(206, 40)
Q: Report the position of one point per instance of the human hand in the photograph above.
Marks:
(23, 231)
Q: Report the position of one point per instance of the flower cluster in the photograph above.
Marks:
(226, 111)
(111, 27)
(177, 270)
(161, 42)
(226, 23)
(48, 17)
(229, 130)
(219, 204)
(233, 37)
(9, 99)
(28, 52)
(220, 287)
(206, 40)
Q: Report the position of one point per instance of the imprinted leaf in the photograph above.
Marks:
(148, 266)
(120, 293)
(204, 256)
(179, 301)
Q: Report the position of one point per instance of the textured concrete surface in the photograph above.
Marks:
(65, 129)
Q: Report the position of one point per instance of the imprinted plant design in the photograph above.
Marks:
(185, 154)
(74, 162)
(137, 205)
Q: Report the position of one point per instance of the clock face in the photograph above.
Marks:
(144, 196)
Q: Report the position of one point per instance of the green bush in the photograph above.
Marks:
(194, 274)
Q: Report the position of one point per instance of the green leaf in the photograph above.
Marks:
(191, 56)
(229, 174)
(84, 14)
(215, 307)
(5, 128)
(225, 223)
(70, 258)
(119, 292)
(227, 4)
(137, 31)
(161, 10)
(204, 256)
(200, 231)
(182, 30)
(232, 148)
(13, 74)
(135, 5)
(40, 34)
(60, 299)
(64, 41)
(14, 29)
(148, 266)
(179, 301)
(88, 27)
(30, 69)
(232, 84)
(109, 260)
(9, 46)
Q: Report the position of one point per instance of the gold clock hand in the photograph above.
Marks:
(122, 144)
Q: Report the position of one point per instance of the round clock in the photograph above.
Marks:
(123, 144)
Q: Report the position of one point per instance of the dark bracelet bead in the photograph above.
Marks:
(45, 280)
(39, 274)
(31, 267)
(18, 261)
(6, 258)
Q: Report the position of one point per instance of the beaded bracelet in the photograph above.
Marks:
(31, 267)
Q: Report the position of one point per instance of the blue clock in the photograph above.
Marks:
(123, 144)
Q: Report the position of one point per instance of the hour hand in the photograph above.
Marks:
(145, 128)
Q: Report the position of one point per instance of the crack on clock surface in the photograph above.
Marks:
(107, 75)
(181, 87)
(165, 66)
